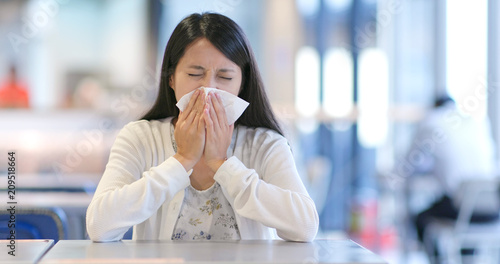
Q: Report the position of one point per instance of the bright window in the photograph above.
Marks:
(373, 97)
(466, 51)
(338, 82)
(307, 89)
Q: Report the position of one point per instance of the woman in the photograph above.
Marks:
(189, 175)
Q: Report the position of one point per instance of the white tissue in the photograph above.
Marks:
(233, 105)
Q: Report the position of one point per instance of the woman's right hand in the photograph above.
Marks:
(189, 131)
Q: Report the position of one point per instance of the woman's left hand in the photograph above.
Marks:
(218, 132)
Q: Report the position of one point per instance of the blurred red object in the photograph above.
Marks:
(13, 94)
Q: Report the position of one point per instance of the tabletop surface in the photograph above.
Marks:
(24, 251)
(244, 251)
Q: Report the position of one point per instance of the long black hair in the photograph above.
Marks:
(228, 38)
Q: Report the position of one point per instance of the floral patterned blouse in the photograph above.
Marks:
(206, 215)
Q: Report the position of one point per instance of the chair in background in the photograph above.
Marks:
(39, 223)
(450, 237)
(129, 233)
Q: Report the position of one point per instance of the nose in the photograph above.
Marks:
(209, 80)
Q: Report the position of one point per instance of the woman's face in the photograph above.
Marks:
(204, 65)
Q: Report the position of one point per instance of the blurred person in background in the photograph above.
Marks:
(453, 148)
(13, 93)
(90, 93)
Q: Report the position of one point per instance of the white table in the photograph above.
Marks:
(26, 251)
(246, 251)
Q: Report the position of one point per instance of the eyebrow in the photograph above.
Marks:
(198, 67)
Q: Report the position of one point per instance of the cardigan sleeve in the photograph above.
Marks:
(277, 198)
(128, 193)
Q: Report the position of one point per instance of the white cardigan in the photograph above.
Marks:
(143, 186)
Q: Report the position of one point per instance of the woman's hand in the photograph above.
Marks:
(218, 132)
(189, 131)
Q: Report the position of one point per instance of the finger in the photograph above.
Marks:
(208, 117)
(192, 101)
(200, 103)
(197, 111)
(211, 112)
(202, 123)
(189, 114)
(219, 110)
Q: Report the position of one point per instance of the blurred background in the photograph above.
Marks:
(350, 80)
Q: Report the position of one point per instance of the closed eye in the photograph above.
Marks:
(194, 75)
(226, 78)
